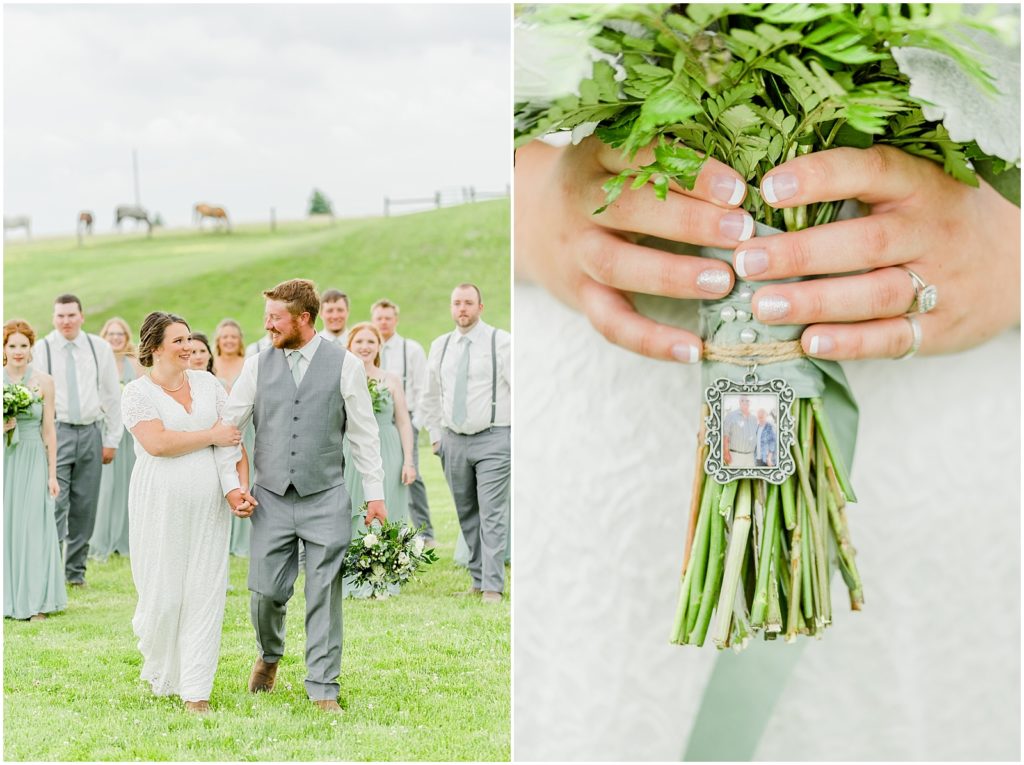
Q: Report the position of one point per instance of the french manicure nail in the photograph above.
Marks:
(822, 344)
(737, 225)
(714, 280)
(688, 354)
(772, 307)
(726, 188)
(751, 262)
(777, 187)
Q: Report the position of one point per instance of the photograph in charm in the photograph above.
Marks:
(750, 436)
(252, 509)
(767, 318)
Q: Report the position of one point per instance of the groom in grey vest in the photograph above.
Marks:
(304, 395)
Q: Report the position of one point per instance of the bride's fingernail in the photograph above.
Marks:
(714, 280)
(751, 262)
(777, 187)
(737, 225)
(772, 307)
(688, 354)
(728, 189)
(822, 344)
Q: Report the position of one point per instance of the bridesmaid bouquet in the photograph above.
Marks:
(18, 399)
(754, 85)
(378, 394)
(386, 554)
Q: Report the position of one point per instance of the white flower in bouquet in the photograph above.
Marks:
(403, 559)
(418, 544)
(378, 572)
(364, 563)
(369, 541)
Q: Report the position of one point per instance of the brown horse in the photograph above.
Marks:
(85, 221)
(203, 210)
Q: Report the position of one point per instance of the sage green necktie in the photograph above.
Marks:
(294, 360)
(461, 383)
(74, 402)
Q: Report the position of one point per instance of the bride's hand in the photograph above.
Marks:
(963, 240)
(591, 263)
(223, 434)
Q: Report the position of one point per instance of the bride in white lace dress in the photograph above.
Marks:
(178, 519)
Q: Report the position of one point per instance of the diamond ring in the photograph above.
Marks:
(915, 328)
(926, 296)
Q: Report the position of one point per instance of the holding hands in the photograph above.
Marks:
(961, 239)
(242, 503)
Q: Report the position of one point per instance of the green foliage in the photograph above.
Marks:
(319, 204)
(755, 84)
(424, 676)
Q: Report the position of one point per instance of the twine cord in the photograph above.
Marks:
(745, 354)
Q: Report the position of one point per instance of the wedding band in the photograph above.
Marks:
(926, 296)
(915, 327)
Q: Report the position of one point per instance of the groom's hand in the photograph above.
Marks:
(375, 510)
(242, 503)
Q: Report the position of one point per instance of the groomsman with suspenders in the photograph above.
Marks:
(406, 359)
(467, 410)
(334, 312)
(88, 404)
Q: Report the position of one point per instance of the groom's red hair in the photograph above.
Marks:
(300, 295)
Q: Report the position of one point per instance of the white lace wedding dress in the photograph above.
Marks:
(179, 527)
(604, 460)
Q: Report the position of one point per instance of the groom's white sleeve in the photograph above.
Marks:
(361, 427)
(237, 411)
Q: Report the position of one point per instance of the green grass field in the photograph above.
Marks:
(414, 260)
(425, 676)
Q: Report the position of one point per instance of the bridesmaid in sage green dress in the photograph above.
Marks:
(229, 357)
(33, 566)
(111, 532)
(396, 444)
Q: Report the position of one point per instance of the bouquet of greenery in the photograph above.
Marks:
(18, 399)
(388, 554)
(378, 394)
(754, 85)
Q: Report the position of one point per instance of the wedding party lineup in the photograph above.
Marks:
(688, 334)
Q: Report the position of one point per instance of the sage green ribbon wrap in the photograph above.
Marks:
(809, 378)
(743, 689)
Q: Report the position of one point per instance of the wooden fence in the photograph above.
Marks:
(445, 198)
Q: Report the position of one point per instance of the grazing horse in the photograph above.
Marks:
(85, 221)
(203, 210)
(135, 213)
(18, 221)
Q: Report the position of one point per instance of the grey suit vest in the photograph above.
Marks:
(299, 431)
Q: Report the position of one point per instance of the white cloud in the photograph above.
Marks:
(250, 106)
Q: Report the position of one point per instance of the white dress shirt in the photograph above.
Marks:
(103, 404)
(415, 370)
(339, 340)
(360, 423)
(436, 405)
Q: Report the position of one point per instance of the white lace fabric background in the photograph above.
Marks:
(604, 459)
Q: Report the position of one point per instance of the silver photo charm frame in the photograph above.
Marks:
(742, 414)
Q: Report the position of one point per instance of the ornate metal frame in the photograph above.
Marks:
(722, 473)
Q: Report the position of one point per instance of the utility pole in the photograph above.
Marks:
(135, 174)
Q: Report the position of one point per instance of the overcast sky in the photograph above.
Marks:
(249, 107)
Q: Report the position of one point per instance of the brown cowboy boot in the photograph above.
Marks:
(262, 678)
(329, 705)
(199, 707)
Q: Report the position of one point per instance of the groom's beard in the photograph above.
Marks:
(292, 340)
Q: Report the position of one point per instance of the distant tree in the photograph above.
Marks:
(158, 220)
(319, 204)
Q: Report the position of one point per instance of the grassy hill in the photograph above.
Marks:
(414, 260)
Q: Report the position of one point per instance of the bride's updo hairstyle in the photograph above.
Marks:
(151, 336)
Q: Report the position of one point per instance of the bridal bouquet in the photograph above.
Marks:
(378, 394)
(18, 399)
(385, 555)
(754, 85)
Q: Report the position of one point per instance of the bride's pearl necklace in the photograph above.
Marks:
(170, 390)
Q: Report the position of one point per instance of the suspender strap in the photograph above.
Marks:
(95, 359)
(494, 374)
(494, 370)
(405, 366)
